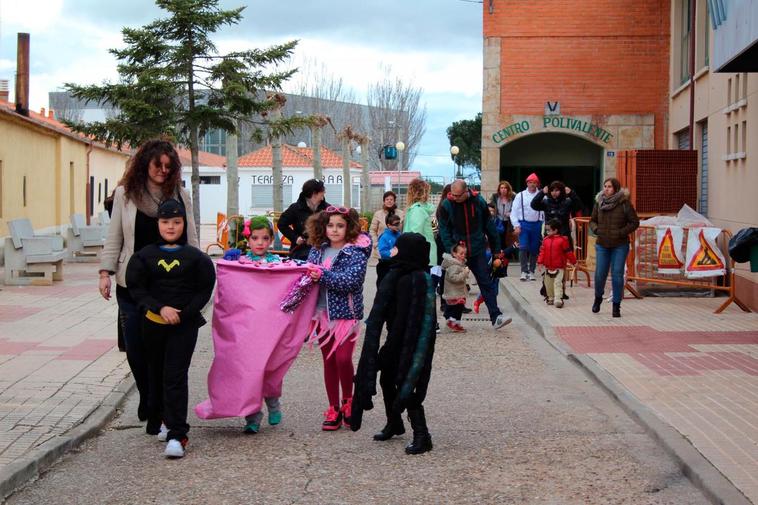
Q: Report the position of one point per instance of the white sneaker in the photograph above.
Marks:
(501, 321)
(532, 276)
(163, 434)
(524, 276)
(174, 449)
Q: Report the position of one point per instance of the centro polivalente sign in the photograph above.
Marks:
(552, 123)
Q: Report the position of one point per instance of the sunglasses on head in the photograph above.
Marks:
(341, 210)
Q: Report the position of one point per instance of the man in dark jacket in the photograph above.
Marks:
(292, 221)
(464, 217)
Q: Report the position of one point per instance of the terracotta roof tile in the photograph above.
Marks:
(293, 156)
(206, 159)
(48, 121)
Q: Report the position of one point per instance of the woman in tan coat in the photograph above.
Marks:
(379, 221)
(152, 176)
(613, 220)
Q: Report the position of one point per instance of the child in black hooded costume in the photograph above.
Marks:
(405, 301)
(171, 281)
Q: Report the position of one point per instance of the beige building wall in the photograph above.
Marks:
(727, 105)
(107, 167)
(43, 174)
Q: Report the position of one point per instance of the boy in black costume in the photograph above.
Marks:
(405, 301)
(171, 282)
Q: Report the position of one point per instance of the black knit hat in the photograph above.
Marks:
(171, 208)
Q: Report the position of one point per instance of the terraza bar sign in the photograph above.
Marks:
(554, 122)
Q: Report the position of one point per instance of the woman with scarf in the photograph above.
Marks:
(379, 221)
(503, 202)
(153, 175)
(613, 220)
(405, 303)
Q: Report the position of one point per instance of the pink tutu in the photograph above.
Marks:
(332, 333)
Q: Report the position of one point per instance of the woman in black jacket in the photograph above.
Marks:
(558, 202)
(292, 221)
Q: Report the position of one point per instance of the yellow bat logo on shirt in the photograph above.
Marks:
(168, 266)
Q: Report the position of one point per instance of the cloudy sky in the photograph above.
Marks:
(436, 44)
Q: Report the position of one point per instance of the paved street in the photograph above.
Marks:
(513, 421)
(695, 370)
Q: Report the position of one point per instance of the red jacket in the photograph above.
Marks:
(555, 252)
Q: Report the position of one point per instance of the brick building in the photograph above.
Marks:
(567, 83)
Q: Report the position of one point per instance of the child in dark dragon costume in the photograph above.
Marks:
(405, 301)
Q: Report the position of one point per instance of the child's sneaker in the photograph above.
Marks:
(251, 428)
(559, 303)
(549, 301)
(524, 276)
(163, 433)
(175, 448)
(477, 303)
(454, 326)
(274, 417)
(346, 410)
(459, 328)
(332, 419)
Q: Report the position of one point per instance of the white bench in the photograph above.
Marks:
(84, 242)
(30, 258)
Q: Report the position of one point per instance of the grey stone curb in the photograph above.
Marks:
(706, 477)
(36, 462)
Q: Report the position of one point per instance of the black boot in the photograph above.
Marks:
(616, 310)
(596, 304)
(392, 428)
(422, 440)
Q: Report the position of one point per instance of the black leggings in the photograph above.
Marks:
(169, 353)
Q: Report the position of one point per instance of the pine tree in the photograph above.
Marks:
(174, 83)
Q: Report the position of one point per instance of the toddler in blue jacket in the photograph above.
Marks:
(386, 242)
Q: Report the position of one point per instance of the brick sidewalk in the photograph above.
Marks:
(58, 359)
(696, 370)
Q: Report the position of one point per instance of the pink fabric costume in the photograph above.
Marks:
(249, 366)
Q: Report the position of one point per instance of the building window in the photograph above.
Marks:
(744, 138)
(729, 140)
(704, 169)
(263, 196)
(684, 39)
(729, 91)
(683, 139)
(744, 86)
(334, 193)
(23, 190)
(736, 137)
(99, 192)
(737, 88)
(71, 188)
(214, 141)
(210, 179)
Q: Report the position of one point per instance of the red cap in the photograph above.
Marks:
(533, 177)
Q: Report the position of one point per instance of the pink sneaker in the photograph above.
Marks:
(346, 410)
(332, 419)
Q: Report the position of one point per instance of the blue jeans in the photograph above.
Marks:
(478, 266)
(529, 240)
(613, 259)
(136, 353)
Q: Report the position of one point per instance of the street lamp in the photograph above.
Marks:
(454, 150)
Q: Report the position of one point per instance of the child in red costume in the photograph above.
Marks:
(555, 253)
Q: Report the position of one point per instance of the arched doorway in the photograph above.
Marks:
(554, 156)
